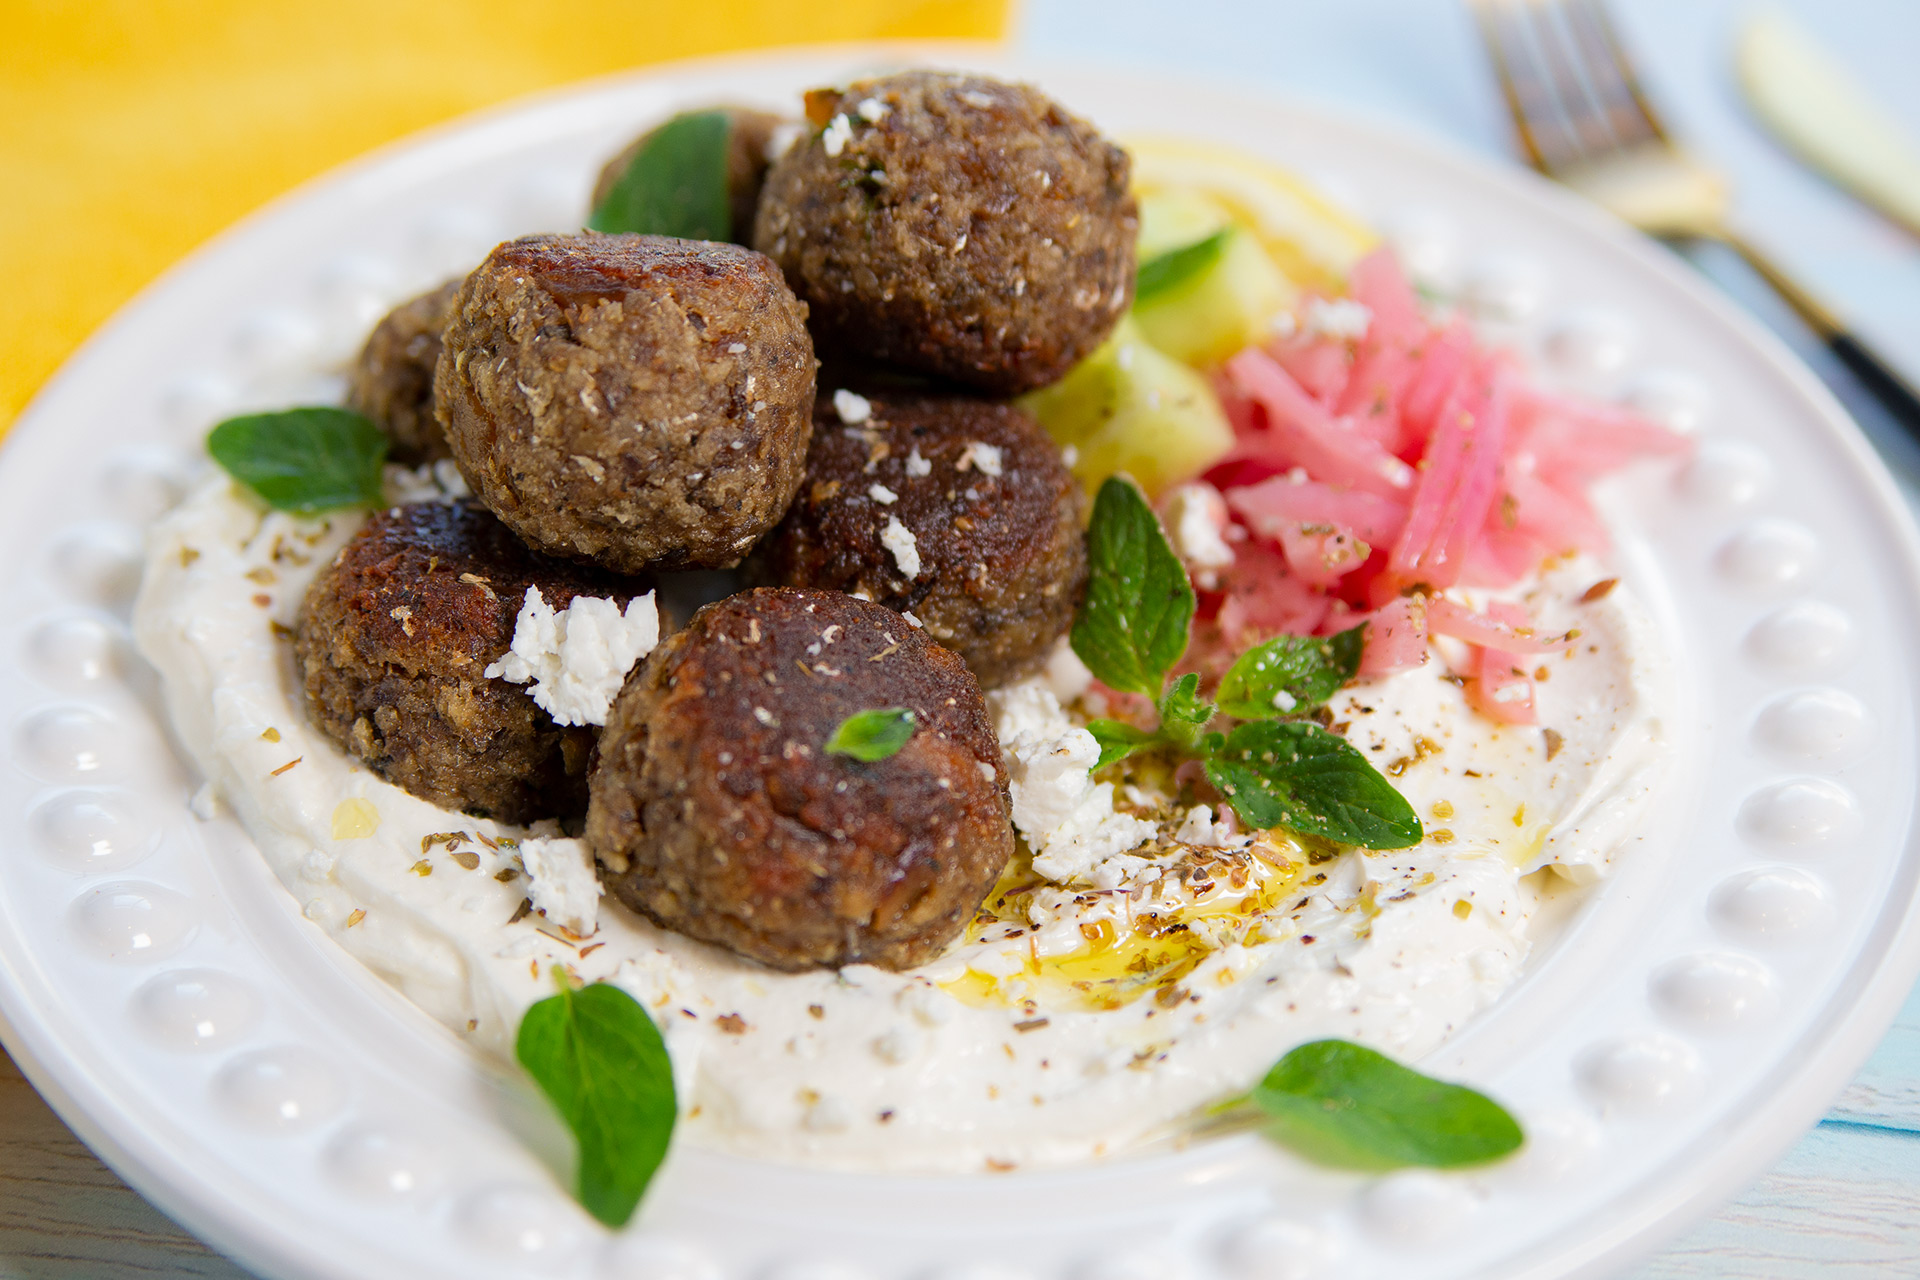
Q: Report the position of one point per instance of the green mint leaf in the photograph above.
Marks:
(1290, 674)
(1183, 712)
(676, 184)
(1341, 1104)
(600, 1060)
(872, 735)
(1133, 625)
(1175, 267)
(304, 460)
(1117, 741)
(1278, 773)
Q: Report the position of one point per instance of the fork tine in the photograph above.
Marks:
(1615, 83)
(1537, 117)
(1585, 120)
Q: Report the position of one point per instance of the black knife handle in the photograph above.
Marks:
(1886, 384)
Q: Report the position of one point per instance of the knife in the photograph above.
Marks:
(1810, 103)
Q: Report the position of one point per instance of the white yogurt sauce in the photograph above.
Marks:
(1074, 1020)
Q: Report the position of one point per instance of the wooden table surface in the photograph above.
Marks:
(1844, 1203)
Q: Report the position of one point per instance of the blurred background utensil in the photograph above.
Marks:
(1584, 120)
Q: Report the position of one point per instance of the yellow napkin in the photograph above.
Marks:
(135, 129)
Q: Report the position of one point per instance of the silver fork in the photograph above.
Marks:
(1584, 120)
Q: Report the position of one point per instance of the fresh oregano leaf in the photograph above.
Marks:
(872, 735)
(676, 184)
(304, 460)
(1139, 603)
(1290, 674)
(599, 1059)
(1117, 740)
(1175, 267)
(1294, 774)
(1341, 1104)
(1183, 712)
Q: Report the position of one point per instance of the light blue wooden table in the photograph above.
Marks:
(1845, 1202)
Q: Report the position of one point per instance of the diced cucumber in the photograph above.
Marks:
(1219, 309)
(1128, 407)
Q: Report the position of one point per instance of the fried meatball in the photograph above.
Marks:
(392, 381)
(955, 225)
(718, 812)
(749, 136)
(971, 495)
(635, 401)
(394, 637)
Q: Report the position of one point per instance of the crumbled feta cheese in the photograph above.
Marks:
(1065, 676)
(577, 658)
(908, 615)
(1198, 514)
(736, 348)
(917, 465)
(1338, 318)
(899, 539)
(562, 882)
(1068, 819)
(989, 458)
(838, 134)
(1198, 827)
(853, 409)
(882, 495)
(872, 110)
(430, 482)
(1284, 701)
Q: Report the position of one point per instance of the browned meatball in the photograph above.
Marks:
(718, 812)
(750, 134)
(636, 401)
(392, 381)
(394, 637)
(994, 519)
(955, 225)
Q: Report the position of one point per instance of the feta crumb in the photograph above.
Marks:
(908, 615)
(853, 409)
(430, 482)
(736, 348)
(1065, 676)
(899, 539)
(1198, 514)
(1198, 827)
(1068, 820)
(1284, 701)
(1338, 318)
(882, 495)
(577, 658)
(989, 458)
(1070, 455)
(976, 99)
(872, 110)
(917, 465)
(562, 882)
(838, 134)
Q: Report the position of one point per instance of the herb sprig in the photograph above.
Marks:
(1342, 1104)
(600, 1060)
(1174, 267)
(676, 183)
(305, 460)
(1277, 768)
(874, 734)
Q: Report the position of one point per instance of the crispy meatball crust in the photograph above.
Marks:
(392, 381)
(749, 137)
(718, 812)
(392, 642)
(976, 230)
(634, 401)
(1003, 558)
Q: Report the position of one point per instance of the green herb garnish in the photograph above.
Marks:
(599, 1059)
(304, 460)
(676, 183)
(1175, 267)
(1341, 1104)
(873, 734)
(1277, 769)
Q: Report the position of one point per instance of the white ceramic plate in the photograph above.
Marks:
(165, 994)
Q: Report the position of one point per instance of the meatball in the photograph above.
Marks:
(718, 812)
(635, 401)
(392, 381)
(955, 225)
(394, 637)
(959, 511)
(749, 137)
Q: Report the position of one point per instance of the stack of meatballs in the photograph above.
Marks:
(624, 407)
